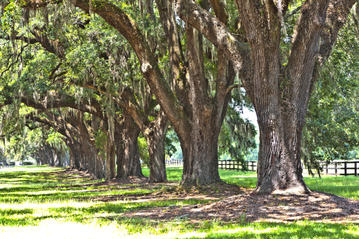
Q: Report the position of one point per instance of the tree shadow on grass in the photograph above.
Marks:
(10, 212)
(7, 217)
(117, 208)
(27, 220)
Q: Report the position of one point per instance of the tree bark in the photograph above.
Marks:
(155, 135)
(278, 171)
(74, 159)
(200, 157)
(200, 142)
(128, 157)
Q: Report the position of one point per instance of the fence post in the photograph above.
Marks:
(327, 169)
(345, 168)
(336, 168)
(355, 168)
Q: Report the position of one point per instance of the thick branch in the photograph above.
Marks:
(126, 101)
(219, 8)
(52, 46)
(58, 101)
(316, 33)
(215, 31)
(337, 14)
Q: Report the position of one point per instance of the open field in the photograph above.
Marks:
(43, 202)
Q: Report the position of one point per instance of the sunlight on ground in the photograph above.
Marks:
(35, 206)
(70, 230)
(54, 229)
(29, 169)
(7, 186)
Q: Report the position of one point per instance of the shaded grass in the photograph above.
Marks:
(10, 212)
(110, 208)
(64, 196)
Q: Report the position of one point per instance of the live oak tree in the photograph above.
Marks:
(128, 124)
(33, 85)
(195, 112)
(127, 90)
(278, 83)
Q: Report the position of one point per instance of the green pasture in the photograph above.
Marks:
(37, 201)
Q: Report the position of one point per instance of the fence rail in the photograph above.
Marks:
(174, 162)
(236, 165)
(336, 167)
(342, 167)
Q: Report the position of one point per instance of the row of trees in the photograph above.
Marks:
(102, 73)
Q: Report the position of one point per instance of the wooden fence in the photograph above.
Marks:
(174, 162)
(342, 167)
(235, 165)
(336, 167)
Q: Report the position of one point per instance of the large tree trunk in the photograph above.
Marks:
(74, 159)
(155, 136)
(200, 157)
(94, 163)
(200, 142)
(278, 170)
(128, 157)
(90, 158)
(275, 102)
(110, 148)
(110, 160)
(98, 170)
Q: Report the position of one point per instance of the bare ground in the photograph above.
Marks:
(246, 206)
(232, 203)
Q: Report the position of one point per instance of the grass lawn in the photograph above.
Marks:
(43, 202)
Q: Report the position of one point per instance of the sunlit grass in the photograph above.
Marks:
(46, 201)
(139, 228)
(173, 173)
